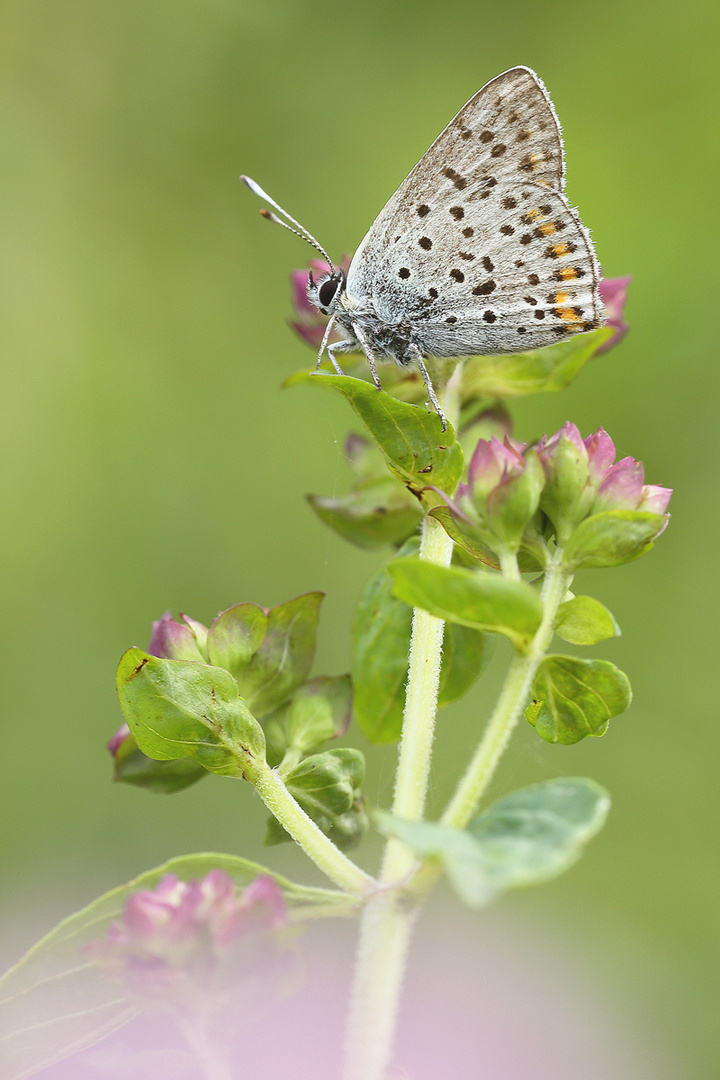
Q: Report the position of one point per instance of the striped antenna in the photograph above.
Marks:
(299, 229)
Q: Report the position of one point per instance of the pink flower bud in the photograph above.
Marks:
(609, 485)
(621, 486)
(601, 453)
(492, 461)
(654, 499)
(177, 641)
(122, 733)
(613, 293)
(548, 444)
(568, 493)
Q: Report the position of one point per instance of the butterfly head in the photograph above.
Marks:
(325, 293)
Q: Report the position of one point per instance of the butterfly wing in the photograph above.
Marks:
(478, 249)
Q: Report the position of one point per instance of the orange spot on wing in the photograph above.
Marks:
(568, 315)
(561, 297)
(568, 273)
(548, 228)
(560, 249)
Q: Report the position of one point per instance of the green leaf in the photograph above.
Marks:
(481, 600)
(574, 698)
(466, 653)
(380, 644)
(327, 787)
(526, 838)
(417, 449)
(584, 620)
(235, 636)
(540, 371)
(320, 710)
(613, 537)
(475, 541)
(55, 1002)
(182, 709)
(283, 660)
(372, 516)
(469, 536)
(161, 777)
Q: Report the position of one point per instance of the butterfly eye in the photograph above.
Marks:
(327, 291)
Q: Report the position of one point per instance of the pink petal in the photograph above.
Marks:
(483, 465)
(118, 739)
(613, 293)
(312, 334)
(173, 641)
(601, 453)
(655, 499)
(298, 286)
(622, 486)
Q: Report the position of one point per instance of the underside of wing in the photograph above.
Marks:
(510, 272)
(506, 134)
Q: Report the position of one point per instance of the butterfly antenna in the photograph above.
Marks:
(299, 229)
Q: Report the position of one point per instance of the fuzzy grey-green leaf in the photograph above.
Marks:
(528, 837)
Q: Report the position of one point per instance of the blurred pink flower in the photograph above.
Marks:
(180, 934)
(613, 293)
(309, 321)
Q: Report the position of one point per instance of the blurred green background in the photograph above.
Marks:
(151, 461)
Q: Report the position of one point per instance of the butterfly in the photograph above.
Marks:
(478, 252)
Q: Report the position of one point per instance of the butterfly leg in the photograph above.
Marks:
(324, 345)
(369, 353)
(417, 359)
(331, 353)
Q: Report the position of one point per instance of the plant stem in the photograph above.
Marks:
(418, 730)
(387, 920)
(509, 565)
(307, 835)
(513, 698)
(385, 931)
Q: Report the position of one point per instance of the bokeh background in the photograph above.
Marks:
(151, 461)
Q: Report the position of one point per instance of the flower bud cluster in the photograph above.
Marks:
(517, 497)
(583, 478)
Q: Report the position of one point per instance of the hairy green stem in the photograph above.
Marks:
(385, 931)
(343, 871)
(511, 702)
(387, 920)
(509, 565)
(418, 730)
